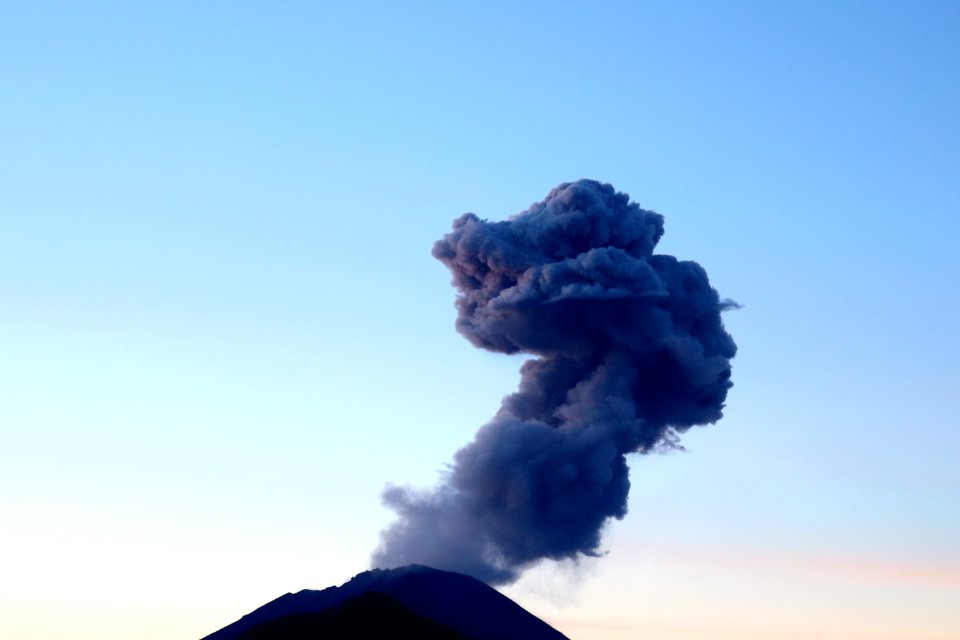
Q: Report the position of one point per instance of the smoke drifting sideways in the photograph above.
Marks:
(630, 351)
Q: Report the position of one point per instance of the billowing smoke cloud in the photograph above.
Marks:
(630, 351)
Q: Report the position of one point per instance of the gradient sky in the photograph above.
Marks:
(222, 331)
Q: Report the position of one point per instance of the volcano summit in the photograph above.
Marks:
(408, 602)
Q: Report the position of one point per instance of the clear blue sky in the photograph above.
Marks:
(222, 331)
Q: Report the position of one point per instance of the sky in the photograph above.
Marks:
(222, 331)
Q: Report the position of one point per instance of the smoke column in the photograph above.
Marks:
(630, 351)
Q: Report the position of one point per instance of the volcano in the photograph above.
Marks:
(408, 602)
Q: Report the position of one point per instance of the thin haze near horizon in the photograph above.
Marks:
(224, 333)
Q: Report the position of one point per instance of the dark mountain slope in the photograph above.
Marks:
(409, 602)
(370, 615)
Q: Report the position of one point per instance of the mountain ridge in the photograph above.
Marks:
(437, 604)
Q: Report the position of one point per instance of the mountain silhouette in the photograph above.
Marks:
(409, 602)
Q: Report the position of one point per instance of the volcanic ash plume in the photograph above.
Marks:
(629, 352)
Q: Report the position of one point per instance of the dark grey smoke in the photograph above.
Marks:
(630, 351)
